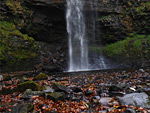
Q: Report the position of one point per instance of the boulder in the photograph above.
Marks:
(60, 88)
(29, 93)
(28, 85)
(22, 108)
(55, 96)
(41, 76)
(135, 99)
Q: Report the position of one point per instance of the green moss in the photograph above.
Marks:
(143, 8)
(41, 76)
(28, 85)
(14, 5)
(104, 18)
(7, 26)
(117, 48)
(96, 49)
(15, 47)
(137, 44)
(130, 47)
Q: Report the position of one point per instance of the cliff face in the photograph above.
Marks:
(44, 21)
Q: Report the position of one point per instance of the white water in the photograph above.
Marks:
(79, 36)
(78, 47)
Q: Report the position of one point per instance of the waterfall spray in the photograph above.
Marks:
(82, 34)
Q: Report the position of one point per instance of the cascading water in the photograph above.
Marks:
(96, 60)
(78, 47)
(80, 34)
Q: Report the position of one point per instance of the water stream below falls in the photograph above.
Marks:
(78, 38)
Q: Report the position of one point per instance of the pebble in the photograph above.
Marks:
(1, 78)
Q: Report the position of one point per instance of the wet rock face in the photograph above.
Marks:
(49, 16)
(44, 20)
(47, 24)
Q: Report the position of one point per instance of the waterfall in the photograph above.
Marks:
(82, 33)
(96, 60)
(78, 45)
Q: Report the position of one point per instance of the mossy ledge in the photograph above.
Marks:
(15, 47)
(136, 46)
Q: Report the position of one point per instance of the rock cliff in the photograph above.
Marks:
(44, 21)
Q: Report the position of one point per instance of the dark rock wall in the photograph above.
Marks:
(44, 20)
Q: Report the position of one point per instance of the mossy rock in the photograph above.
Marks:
(55, 96)
(22, 108)
(29, 85)
(60, 88)
(15, 48)
(41, 76)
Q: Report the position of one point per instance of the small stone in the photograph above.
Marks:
(88, 92)
(105, 100)
(78, 98)
(99, 91)
(48, 90)
(129, 110)
(118, 87)
(142, 70)
(1, 87)
(1, 78)
(123, 76)
(76, 89)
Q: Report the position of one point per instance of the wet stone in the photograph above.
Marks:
(135, 99)
(129, 110)
(77, 98)
(118, 87)
(1, 78)
(55, 96)
(22, 108)
(123, 76)
(48, 90)
(60, 88)
(76, 89)
(105, 101)
(88, 92)
(28, 94)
